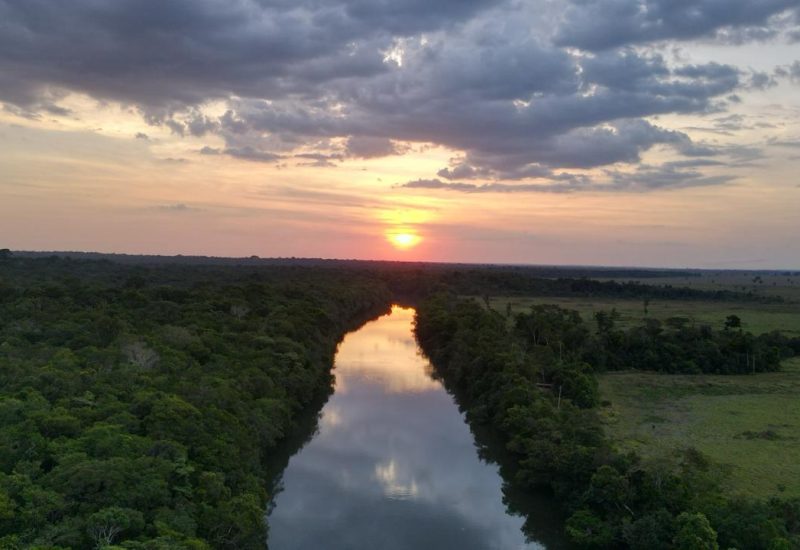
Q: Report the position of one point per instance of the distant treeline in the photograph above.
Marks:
(533, 382)
(535, 270)
(520, 282)
(409, 281)
(414, 280)
(138, 407)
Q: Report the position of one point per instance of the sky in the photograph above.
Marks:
(587, 132)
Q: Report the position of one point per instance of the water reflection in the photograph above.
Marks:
(384, 355)
(393, 465)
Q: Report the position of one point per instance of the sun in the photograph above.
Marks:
(403, 240)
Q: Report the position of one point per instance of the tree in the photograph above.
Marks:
(106, 525)
(651, 532)
(606, 321)
(695, 533)
(589, 531)
(733, 321)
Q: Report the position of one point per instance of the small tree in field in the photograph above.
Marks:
(733, 321)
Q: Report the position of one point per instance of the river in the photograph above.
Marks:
(393, 464)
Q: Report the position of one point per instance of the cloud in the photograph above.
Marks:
(794, 71)
(563, 128)
(244, 153)
(791, 143)
(165, 55)
(199, 124)
(603, 24)
(498, 81)
(249, 153)
(207, 150)
(319, 160)
(367, 147)
(645, 178)
(177, 207)
(462, 170)
(174, 160)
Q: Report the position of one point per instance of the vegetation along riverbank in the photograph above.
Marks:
(138, 405)
(533, 378)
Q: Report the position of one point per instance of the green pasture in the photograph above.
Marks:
(748, 424)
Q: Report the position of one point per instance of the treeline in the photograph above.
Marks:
(509, 281)
(363, 265)
(535, 389)
(138, 406)
(676, 346)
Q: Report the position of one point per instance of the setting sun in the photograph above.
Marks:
(404, 241)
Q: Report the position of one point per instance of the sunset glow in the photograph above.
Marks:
(461, 132)
(404, 241)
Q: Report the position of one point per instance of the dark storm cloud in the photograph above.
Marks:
(323, 80)
(163, 55)
(603, 24)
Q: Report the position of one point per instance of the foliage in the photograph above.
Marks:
(694, 533)
(531, 383)
(138, 405)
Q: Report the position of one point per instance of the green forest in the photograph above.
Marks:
(141, 399)
(138, 405)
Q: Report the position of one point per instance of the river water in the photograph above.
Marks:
(393, 464)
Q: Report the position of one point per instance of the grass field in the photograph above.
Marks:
(748, 424)
(756, 317)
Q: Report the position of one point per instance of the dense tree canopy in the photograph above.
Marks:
(138, 405)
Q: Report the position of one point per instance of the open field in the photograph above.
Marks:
(749, 424)
(756, 317)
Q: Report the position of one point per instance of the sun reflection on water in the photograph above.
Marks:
(383, 354)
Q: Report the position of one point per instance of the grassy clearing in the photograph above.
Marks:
(748, 424)
(756, 317)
